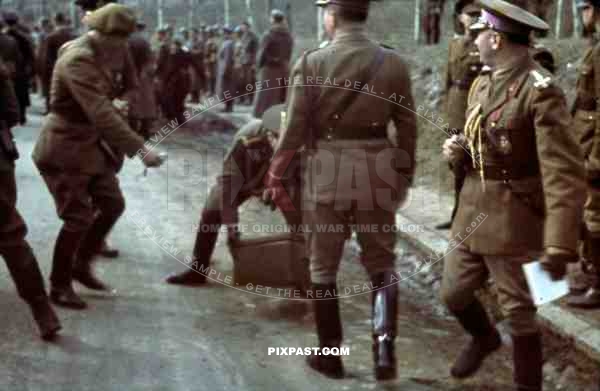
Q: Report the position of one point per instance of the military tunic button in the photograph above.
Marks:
(329, 137)
(493, 124)
(591, 117)
(336, 116)
(504, 172)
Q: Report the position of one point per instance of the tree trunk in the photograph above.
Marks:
(226, 3)
(250, 13)
(559, 12)
(417, 20)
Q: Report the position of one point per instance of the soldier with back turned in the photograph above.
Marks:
(345, 133)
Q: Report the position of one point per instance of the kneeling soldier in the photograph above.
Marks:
(243, 169)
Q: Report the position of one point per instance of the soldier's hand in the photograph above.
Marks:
(267, 200)
(233, 233)
(152, 159)
(555, 262)
(452, 149)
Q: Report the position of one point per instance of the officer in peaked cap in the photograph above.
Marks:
(523, 169)
(349, 119)
(586, 293)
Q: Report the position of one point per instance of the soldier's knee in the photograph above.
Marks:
(114, 208)
(522, 322)
(78, 223)
(455, 299)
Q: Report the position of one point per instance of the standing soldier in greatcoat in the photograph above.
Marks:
(248, 60)
(81, 146)
(463, 67)
(586, 127)
(18, 255)
(273, 63)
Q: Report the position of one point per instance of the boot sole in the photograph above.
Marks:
(69, 305)
(93, 287)
(337, 374)
(478, 367)
(186, 283)
(52, 333)
(385, 373)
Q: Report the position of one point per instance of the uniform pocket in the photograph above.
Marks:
(584, 123)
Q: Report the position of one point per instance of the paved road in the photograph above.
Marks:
(152, 336)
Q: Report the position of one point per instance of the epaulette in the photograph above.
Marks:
(485, 70)
(249, 140)
(324, 44)
(539, 80)
(383, 45)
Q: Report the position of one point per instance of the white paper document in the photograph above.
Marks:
(543, 289)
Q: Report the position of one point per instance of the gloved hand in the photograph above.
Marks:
(233, 233)
(275, 191)
(267, 200)
(555, 261)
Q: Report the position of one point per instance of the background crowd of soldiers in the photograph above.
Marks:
(172, 65)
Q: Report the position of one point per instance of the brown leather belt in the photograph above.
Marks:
(354, 134)
(72, 116)
(503, 173)
(585, 104)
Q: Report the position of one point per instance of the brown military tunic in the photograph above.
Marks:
(211, 51)
(361, 184)
(585, 126)
(83, 140)
(274, 63)
(244, 167)
(49, 54)
(14, 248)
(525, 195)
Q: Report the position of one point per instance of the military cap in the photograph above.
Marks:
(227, 29)
(10, 17)
(275, 13)
(467, 7)
(140, 24)
(113, 18)
(272, 118)
(502, 16)
(356, 4)
(587, 3)
(90, 5)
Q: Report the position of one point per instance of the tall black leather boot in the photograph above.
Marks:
(591, 298)
(26, 274)
(61, 277)
(527, 359)
(486, 340)
(329, 329)
(385, 310)
(90, 246)
(204, 246)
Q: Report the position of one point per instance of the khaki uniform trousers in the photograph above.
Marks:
(465, 272)
(326, 248)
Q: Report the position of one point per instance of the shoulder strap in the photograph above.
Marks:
(365, 78)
